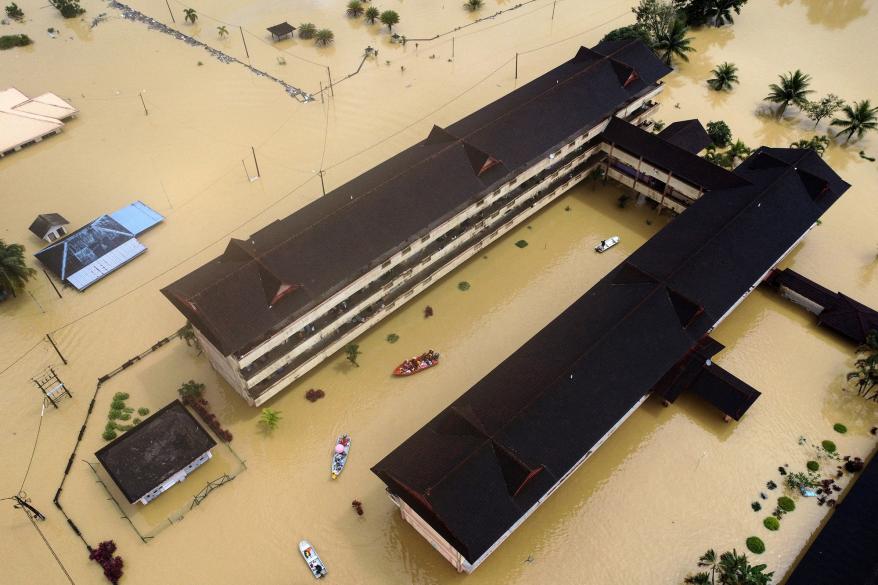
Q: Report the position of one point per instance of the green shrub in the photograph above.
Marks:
(307, 30)
(14, 12)
(68, 8)
(109, 435)
(521, 243)
(786, 504)
(118, 405)
(124, 416)
(392, 338)
(812, 466)
(9, 41)
(771, 523)
(121, 396)
(829, 446)
(111, 426)
(755, 545)
(143, 411)
(114, 414)
(135, 421)
(840, 428)
(463, 285)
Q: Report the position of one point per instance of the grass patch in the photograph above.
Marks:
(10, 41)
(521, 243)
(755, 545)
(771, 523)
(463, 285)
(840, 428)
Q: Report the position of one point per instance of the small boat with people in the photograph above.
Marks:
(426, 360)
(318, 569)
(340, 455)
(605, 245)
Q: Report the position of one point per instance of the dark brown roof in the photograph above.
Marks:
(146, 456)
(669, 157)
(687, 134)
(483, 462)
(281, 29)
(331, 242)
(45, 222)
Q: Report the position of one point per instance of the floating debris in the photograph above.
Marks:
(771, 485)
(358, 506)
(756, 506)
(132, 14)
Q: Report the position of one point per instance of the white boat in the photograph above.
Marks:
(605, 245)
(340, 455)
(314, 563)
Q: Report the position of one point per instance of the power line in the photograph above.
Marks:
(34, 450)
(49, 546)
(21, 357)
(573, 36)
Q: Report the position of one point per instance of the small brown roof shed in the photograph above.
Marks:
(281, 30)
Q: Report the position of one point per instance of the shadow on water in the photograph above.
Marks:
(834, 14)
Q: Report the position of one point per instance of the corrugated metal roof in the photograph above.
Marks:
(137, 217)
(106, 264)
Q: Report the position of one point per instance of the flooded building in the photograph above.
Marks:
(274, 306)
(25, 120)
(49, 226)
(157, 453)
(482, 466)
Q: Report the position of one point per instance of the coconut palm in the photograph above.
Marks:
(222, 31)
(307, 30)
(351, 352)
(817, 143)
(674, 43)
(191, 15)
(724, 75)
(355, 9)
(738, 150)
(14, 273)
(324, 36)
(372, 14)
(389, 17)
(793, 89)
(866, 374)
(270, 418)
(473, 5)
(859, 118)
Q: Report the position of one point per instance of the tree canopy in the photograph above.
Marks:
(14, 273)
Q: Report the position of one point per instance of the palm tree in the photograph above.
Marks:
(389, 17)
(324, 36)
(793, 89)
(355, 8)
(866, 374)
(222, 31)
(859, 118)
(473, 5)
(307, 30)
(708, 561)
(372, 14)
(14, 273)
(352, 350)
(674, 43)
(738, 150)
(270, 418)
(817, 143)
(191, 15)
(735, 570)
(724, 75)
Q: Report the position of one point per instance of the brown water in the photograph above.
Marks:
(669, 484)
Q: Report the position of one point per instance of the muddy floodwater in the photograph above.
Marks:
(670, 483)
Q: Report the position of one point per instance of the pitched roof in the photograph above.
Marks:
(669, 157)
(687, 134)
(331, 242)
(45, 222)
(281, 29)
(548, 404)
(82, 247)
(145, 457)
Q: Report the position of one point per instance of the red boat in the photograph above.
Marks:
(426, 360)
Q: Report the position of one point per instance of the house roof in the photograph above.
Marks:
(689, 135)
(46, 222)
(143, 458)
(478, 467)
(669, 157)
(331, 242)
(80, 248)
(844, 550)
(850, 318)
(281, 29)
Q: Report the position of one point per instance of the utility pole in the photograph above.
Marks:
(52, 283)
(516, 66)
(171, 11)
(145, 111)
(49, 337)
(322, 186)
(452, 47)
(321, 92)
(245, 42)
(256, 162)
(331, 90)
(553, 9)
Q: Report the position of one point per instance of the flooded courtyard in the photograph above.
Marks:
(670, 483)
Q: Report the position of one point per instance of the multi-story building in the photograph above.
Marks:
(274, 306)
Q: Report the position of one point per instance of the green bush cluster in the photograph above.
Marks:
(392, 338)
(771, 523)
(755, 545)
(463, 285)
(812, 466)
(10, 41)
(68, 8)
(786, 504)
(840, 428)
(829, 446)
(521, 243)
(142, 411)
